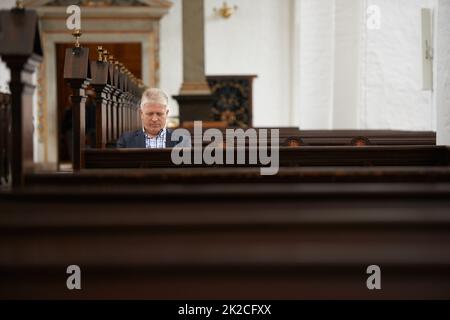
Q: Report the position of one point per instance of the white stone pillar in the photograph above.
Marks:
(326, 80)
(348, 20)
(316, 64)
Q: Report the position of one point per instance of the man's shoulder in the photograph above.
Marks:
(129, 139)
(131, 134)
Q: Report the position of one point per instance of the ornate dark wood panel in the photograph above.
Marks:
(233, 99)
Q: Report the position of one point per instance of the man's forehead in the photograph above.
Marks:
(152, 106)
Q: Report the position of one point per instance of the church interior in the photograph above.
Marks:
(357, 91)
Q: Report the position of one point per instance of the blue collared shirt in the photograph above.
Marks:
(155, 142)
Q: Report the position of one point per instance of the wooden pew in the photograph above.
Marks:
(5, 122)
(102, 82)
(117, 97)
(77, 74)
(375, 137)
(345, 137)
(230, 175)
(297, 156)
(288, 241)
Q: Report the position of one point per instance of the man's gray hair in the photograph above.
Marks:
(154, 95)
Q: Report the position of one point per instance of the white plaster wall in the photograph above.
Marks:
(327, 42)
(442, 75)
(4, 77)
(392, 82)
(316, 65)
(255, 40)
(352, 77)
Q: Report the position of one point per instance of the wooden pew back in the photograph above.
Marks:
(289, 156)
(5, 131)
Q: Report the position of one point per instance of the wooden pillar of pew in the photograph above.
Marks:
(22, 52)
(131, 103)
(128, 100)
(126, 107)
(125, 104)
(128, 103)
(101, 82)
(137, 108)
(110, 106)
(137, 105)
(132, 106)
(115, 95)
(77, 74)
(123, 83)
(5, 120)
(124, 99)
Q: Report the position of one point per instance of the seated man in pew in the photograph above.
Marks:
(154, 134)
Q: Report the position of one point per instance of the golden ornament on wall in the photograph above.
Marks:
(225, 11)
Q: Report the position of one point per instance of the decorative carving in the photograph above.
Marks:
(19, 4)
(225, 11)
(232, 99)
(77, 34)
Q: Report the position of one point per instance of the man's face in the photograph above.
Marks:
(153, 116)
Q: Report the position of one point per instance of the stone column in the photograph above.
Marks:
(195, 95)
(194, 80)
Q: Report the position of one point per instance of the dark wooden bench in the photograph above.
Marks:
(286, 241)
(345, 137)
(297, 156)
(375, 137)
(208, 176)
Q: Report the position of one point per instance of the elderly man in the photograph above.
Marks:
(154, 134)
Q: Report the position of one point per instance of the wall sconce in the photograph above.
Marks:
(225, 11)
